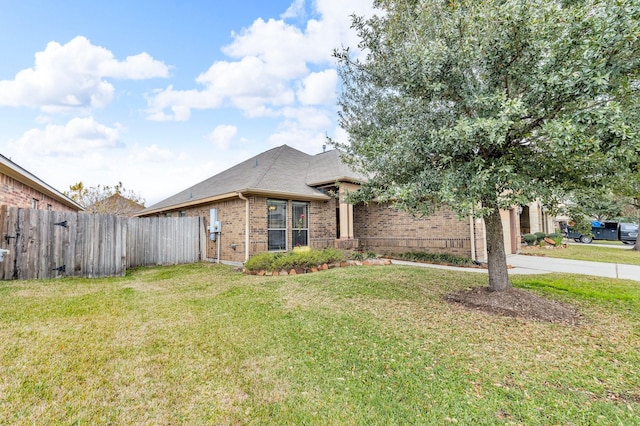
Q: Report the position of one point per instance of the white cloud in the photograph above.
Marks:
(319, 88)
(74, 139)
(150, 154)
(295, 10)
(223, 135)
(272, 60)
(71, 76)
(299, 138)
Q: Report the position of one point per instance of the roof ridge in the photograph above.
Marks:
(266, 170)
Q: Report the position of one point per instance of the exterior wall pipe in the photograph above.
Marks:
(246, 224)
(472, 227)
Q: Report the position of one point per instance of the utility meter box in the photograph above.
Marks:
(215, 226)
(3, 252)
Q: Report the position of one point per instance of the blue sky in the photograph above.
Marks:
(163, 94)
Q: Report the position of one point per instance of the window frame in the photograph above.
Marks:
(300, 225)
(277, 207)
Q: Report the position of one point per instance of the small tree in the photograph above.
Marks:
(106, 199)
(484, 105)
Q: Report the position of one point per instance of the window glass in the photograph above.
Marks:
(300, 228)
(276, 225)
(277, 214)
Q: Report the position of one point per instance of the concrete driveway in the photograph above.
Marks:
(523, 265)
(539, 264)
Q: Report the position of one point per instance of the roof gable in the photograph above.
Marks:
(328, 167)
(281, 171)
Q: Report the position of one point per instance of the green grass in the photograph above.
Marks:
(199, 344)
(588, 252)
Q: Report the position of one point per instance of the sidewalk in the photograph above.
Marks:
(523, 265)
(598, 269)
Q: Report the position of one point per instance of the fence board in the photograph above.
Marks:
(92, 245)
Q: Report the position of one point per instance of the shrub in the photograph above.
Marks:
(361, 255)
(295, 259)
(530, 239)
(262, 261)
(436, 257)
(539, 236)
(557, 238)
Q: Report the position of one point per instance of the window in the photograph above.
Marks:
(276, 225)
(167, 215)
(34, 203)
(300, 229)
(183, 213)
(49, 207)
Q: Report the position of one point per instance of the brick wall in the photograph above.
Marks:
(17, 194)
(322, 224)
(385, 230)
(231, 213)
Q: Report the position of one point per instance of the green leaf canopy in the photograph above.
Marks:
(491, 103)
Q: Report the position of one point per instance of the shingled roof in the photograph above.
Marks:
(279, 172)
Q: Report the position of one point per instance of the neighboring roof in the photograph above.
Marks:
(16, 172)
(116, 204)
(281, 171)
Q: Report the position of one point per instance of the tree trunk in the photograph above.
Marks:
(637, 245)
(496, 257)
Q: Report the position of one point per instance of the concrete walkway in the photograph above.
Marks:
(598, 269)
(543, 265)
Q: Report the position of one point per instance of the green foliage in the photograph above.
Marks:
(362, 255)
(293, 260)
(556, 237)
(530, 239)
(485, 105)
(539, 236)
(105, 199)
(446, 258)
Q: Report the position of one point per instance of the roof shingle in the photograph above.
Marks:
(282, 170)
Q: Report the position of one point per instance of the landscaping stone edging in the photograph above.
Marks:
(323, 267)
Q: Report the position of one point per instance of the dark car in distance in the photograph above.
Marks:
(628, 233)
(607, 231)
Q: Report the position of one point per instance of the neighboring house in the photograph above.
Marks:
(20, 188)
(535, 218)
(116, 204)
(283, 198)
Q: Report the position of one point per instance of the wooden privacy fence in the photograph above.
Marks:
(48, 244)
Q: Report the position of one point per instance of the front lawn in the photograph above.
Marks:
(200, 344)
(588, 252)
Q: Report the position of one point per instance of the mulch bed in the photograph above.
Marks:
(517, 303)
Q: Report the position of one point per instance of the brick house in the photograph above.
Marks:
(283, 197)
(20, 188)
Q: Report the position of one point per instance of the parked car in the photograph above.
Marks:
(628, 233)
(607, 231)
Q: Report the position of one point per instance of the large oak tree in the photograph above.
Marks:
(486, 105)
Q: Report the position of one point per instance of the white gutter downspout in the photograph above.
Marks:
(472, 226)
(246, 224)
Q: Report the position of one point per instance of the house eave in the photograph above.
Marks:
(234, 194)
(335, 181)
(285, 194)
(21, 175)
